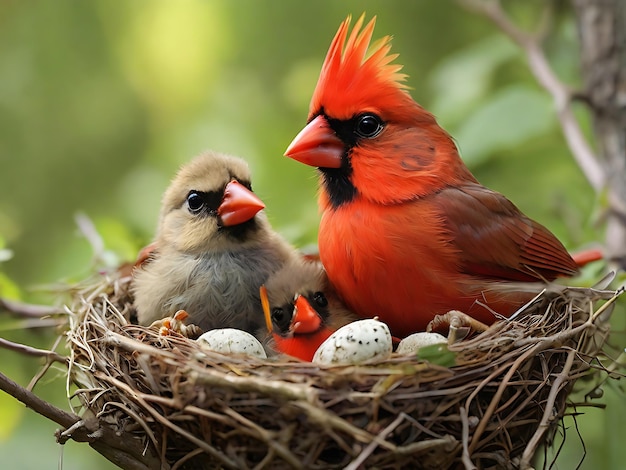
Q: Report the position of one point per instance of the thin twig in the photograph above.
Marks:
(267, 436)
(272, 388)
(356, 463)
(138, 419)
(189, 456)
(29, 310)
(139, 398)
(606, 305)
(39, 375)
(512, 369)
(548, 414)
(30, 351)
(333, 421)
(561, 94)
(467, 459)
(49, 362)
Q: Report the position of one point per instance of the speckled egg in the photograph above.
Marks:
(231, 341)
(356, 342)
(411, 344)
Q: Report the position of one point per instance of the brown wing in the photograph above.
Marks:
(146, 254)
(496, 240)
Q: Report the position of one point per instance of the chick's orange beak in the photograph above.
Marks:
(305, 318)
(265, 303)
(238, 205)
(317, 145)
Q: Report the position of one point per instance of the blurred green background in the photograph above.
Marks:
(102, 101)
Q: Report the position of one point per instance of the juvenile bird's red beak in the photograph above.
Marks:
(305, 318)
(238, 205)
(317, 145)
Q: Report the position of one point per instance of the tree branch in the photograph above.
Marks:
(602, 38)
(32, 401)
(29, 310)
(561, 94)
(30, 351)
(126, 453)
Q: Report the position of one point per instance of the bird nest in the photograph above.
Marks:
(175, 405)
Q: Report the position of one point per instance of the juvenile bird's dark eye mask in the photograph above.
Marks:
(199, 201)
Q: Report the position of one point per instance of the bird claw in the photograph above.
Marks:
(459, 325)
(176, 324)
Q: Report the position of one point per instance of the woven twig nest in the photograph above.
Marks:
(189, 408)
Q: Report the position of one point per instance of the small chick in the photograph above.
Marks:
(213, 249)
(301, 309)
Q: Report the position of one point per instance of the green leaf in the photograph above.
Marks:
(511, 117)
(462, 79)
(121, 244)
(8, 289)
(10, 415)
(437, 354)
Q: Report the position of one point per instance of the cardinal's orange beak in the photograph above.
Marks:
(305, 318)
(238, 205)
(317, 145)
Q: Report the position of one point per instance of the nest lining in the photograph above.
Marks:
(190, 408)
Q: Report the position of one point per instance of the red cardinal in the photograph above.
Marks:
(407, 232)
(301, 311)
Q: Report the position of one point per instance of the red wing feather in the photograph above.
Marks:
(495, 240)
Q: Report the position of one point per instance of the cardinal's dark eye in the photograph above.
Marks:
(278, 315)
(195, 202)
(320, 299)
(368, 126)
(280, 319)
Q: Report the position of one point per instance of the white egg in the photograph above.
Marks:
(231, 341)
(356, 342)
(411, 344)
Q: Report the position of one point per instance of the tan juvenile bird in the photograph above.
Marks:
(213, 249)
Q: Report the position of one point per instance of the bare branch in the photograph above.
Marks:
(62, 418)
(561, 94)
(30, 351)
(601, 28)
(126, 453)
(29, 310)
